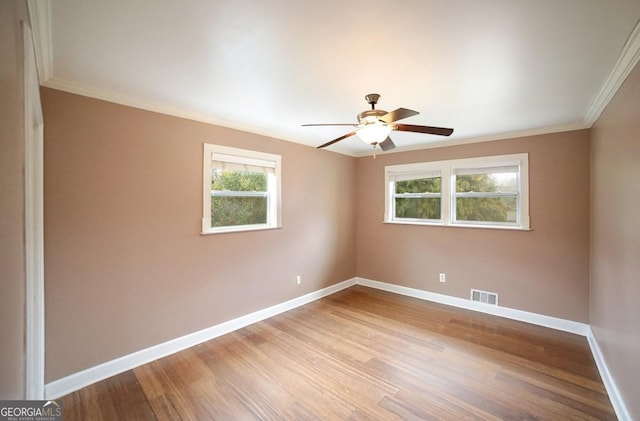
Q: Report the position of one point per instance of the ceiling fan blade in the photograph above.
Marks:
(398, 114)
(387, 144)
(330, 124)
(336, 140)
(440, 131)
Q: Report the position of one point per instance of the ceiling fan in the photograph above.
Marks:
(374, 126)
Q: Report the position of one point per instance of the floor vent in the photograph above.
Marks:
(484, 297)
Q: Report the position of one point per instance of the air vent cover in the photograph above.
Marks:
(484, 297)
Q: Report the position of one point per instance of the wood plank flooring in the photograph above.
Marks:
(362, 354)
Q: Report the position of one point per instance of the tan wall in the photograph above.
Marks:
(12, 258)
(544, 271)
(615, 238)
(125, 264)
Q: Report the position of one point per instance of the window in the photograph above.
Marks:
(417, 196)
(241, 190)
(486, 195)
(490, 192)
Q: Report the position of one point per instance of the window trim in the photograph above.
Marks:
(248, 157)
(448, 190)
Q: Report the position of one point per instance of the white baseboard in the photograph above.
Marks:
(76, 381)
(73, 382)
(509, 313)
(612, 390)
(524, 316)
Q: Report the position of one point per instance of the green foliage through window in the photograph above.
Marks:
(479, 192)
(491, 209)
(479, 197)
(238, 181)
(421, 185)
(418, 199)
(238, 198)
(486, 197)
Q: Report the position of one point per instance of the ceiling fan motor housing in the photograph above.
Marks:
(370, 116)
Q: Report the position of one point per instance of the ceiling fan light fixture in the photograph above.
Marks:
(374, 126)
(373, 133)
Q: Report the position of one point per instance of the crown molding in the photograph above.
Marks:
(159, 107)
(40, 17)
(626, 62)
(487, 138)
(162, 108)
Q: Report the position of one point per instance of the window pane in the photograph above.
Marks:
(418, 208)
(421, 185)
(238, 181)
(232, 211)
(506, 182)
(489, 209)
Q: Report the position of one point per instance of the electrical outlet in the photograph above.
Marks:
(298, 280)
(443, 277)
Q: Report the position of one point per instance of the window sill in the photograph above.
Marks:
(434, 224)
(238, 229)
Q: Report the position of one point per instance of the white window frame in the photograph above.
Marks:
(447, 170)
(243, 157)
(411, 172)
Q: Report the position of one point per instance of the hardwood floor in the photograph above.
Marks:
(362, 354)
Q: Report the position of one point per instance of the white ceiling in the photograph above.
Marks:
(489, 69)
